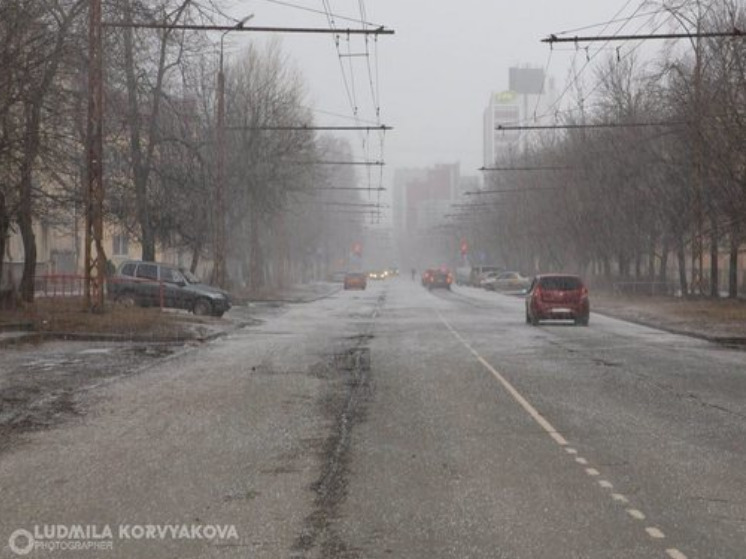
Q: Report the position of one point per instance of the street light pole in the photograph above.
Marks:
(219, 272)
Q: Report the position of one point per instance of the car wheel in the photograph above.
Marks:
(534, 320)
(528, 318)
(202, 307)
(127, 300)
(218, 314)
(582, 321)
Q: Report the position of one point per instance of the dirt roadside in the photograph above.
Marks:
(722, 321)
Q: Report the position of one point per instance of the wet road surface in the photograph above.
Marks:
(397, 422)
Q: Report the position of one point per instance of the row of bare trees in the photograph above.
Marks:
(656, 185)
(160, 139)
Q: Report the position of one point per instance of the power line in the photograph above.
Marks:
(310, 128)
(315, 11)
(540, 168)
(196, 27)
(362, 163)
(354, 188)
(607, 23)
(512, 190)
(589, 126)
(703, 35)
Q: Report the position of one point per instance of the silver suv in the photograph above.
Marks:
(150, 284)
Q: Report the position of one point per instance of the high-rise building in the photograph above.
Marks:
(528, 98)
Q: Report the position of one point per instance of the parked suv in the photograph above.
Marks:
(152, 284)
(557, 297)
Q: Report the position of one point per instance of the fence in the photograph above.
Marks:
(73, 285)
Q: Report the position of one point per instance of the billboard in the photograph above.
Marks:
(527, 81)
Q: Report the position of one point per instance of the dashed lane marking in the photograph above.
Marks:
(655, 533)
(636, 514)
(652, 531)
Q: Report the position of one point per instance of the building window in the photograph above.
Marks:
(120, 245)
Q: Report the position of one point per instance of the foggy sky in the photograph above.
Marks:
(436, 72)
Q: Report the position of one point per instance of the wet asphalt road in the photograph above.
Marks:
(397, 422)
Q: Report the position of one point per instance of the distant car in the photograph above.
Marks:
(509, 281)
(557, 297)
(477, 272)
(152, 284)
(487, 280)
(439, 279)
(425, 278)
(378, 274)
(355, 280)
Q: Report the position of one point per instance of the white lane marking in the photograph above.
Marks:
(655, 533)
(582, 461)
(636, 514)
(559, 439)
(606, 484)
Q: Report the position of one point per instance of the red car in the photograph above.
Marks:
(355, 281)
(438, 278)
(557, 297)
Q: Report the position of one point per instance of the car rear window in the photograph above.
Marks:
(562, 283)
(128, 269)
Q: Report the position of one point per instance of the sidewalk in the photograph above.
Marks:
(64, 319)
(722, 321)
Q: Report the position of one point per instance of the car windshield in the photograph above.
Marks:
(561, 283)
(189, 276)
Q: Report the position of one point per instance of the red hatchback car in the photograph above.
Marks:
(557, 297)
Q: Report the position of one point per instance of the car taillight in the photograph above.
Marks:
(584, 293)
(537, 292)
(449, 279)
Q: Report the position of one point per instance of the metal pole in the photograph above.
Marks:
(95, 258)
(219, 271)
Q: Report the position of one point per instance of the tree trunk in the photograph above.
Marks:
(663, 275)
(714, 254)
(735, 242)
(25, 209)
(4, 227)
(681, 257)
(255, 265)
(195, 259)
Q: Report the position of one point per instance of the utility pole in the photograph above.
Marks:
(219, 275)
(95, 257)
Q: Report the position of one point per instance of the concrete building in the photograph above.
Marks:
(422, 198)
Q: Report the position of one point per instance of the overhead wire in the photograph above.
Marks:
(572, 83)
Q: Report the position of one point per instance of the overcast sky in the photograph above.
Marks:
(437, 71)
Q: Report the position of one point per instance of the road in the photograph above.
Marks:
(398, 422)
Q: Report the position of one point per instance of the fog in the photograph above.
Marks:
(438, 70)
